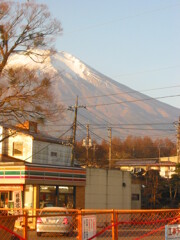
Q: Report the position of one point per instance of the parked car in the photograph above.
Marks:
(58, 221)
(46, 204)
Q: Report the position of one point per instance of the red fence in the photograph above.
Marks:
(89, 224)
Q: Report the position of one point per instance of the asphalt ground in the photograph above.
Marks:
(127, 234)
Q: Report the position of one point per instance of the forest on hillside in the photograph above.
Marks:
(156, 191)
(131, 148)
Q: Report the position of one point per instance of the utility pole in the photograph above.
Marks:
(74, 133)
(178, 142)
(87, 143)
(75, 109)
(94, 150)
(110, 147)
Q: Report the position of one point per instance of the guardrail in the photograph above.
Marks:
(32, 224)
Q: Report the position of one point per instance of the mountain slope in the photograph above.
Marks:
(71, 77)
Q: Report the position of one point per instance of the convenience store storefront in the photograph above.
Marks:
(25, 185)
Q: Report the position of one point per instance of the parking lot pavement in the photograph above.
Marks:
(49, 236)
(32, 235)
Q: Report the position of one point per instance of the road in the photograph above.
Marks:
(128, 235)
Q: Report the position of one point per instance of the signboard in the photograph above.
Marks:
(172, 232)
(88, 226)
(8, 188)
(18, 203)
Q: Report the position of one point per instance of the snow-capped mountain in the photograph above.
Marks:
(108, 103)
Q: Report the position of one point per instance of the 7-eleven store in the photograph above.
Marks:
(26, 185)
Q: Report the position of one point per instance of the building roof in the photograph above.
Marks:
(29, 173)
(141, 162)
(36, 135)
(5, 159)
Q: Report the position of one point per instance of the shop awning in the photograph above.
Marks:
(42, 174)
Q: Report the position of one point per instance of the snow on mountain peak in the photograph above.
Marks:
(71, 77)
(68, 63)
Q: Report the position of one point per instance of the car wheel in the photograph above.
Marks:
(38, 234)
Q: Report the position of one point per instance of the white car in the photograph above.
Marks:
(54, 220)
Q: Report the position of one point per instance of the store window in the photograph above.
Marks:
(18, 148)
(3, 199)
(62, 196)
(48, 196)
(66, 197)
(10, 195)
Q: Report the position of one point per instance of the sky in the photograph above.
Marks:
(135, 42)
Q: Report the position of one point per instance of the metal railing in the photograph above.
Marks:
(88, 224)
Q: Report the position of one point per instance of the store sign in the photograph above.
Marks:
(17, 202)
(8, 188)
(88, 226)
(172, 232)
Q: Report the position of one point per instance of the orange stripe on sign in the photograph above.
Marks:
(55, 170)
(12, 168)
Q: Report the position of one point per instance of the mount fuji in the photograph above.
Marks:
(107, 103)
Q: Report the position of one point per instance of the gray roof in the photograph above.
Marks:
(141, 162)
(37, 136)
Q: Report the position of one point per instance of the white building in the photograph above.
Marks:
(28, 145)
(36, 168)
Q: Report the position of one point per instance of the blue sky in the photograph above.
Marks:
(135, 42)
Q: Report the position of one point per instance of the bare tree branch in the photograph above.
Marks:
(26, 26)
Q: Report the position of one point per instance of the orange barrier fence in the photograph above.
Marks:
(85, 224)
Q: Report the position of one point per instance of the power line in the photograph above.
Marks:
(132, 91)
(115, 145)
(47, 145)
(134, 124)
(124, 18)
(158, 129)
(124, 135)
(124, 92)
(132, 101)
(148, 71)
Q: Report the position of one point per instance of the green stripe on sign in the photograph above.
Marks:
(36, 173)
(8, 173)
(51, 174)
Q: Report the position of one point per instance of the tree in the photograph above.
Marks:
(25, 96)
(174, 187)
(25, 27)
(152, 191)
(97, 156)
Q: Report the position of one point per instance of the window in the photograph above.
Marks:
(53, 154)
(61, 196)
(18, 148)
(10, 195)
(66, 197)
(48, 196)
(135, 197)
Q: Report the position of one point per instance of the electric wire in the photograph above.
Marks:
(121, 92)
(128, 92)
(132, 101)
(99, 137)
(147, 12)
(47, 145)
(148, 71)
